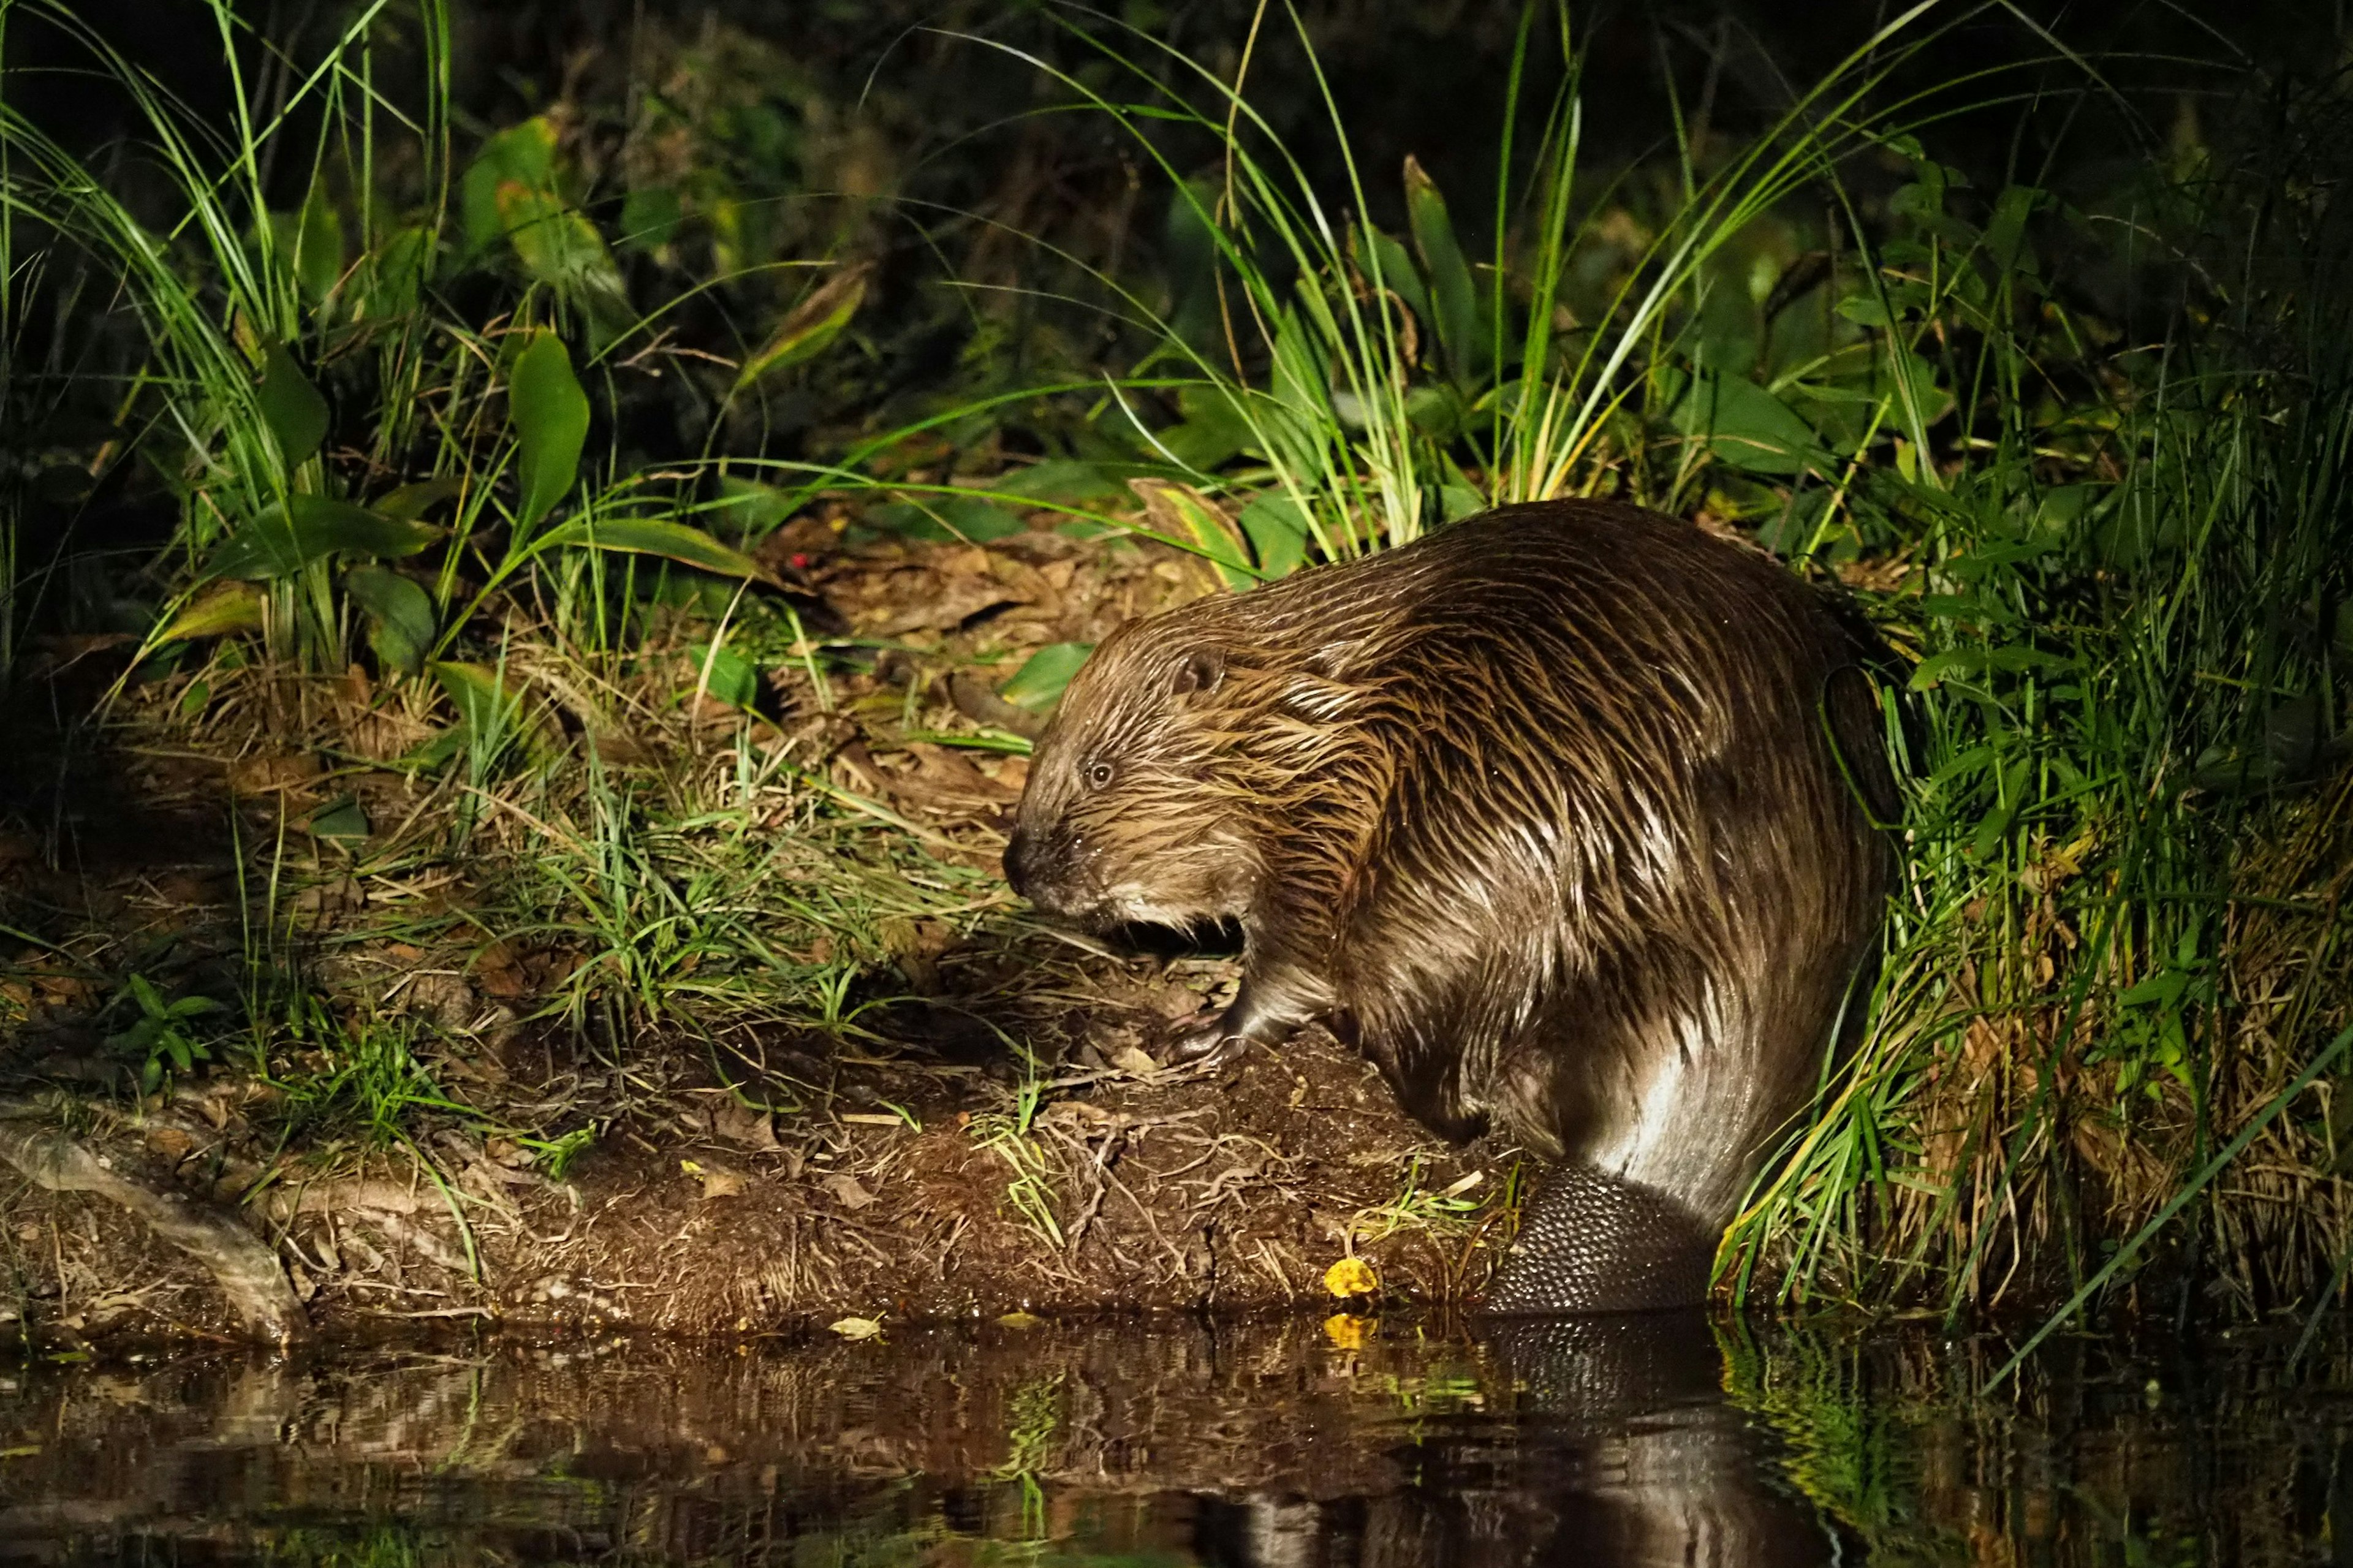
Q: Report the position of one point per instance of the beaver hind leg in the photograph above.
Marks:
(1596, 1243)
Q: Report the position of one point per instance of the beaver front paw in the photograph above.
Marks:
(1211, 1040)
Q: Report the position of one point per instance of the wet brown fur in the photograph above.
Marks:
(1542, 812)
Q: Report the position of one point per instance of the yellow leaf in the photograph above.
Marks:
(1351, 1277)
(1347, 1331)
(231, 607)
(814, 323)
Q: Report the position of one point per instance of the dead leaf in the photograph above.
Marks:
(849, 1191)
(744, 1124)
(338, 896)
(1129, 1058)
(716, 1182)
(497, 971)
(957, 602)
(261, 776)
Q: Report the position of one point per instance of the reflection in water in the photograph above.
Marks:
(1665, 1440)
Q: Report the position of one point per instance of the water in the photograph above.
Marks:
(1266, 1442)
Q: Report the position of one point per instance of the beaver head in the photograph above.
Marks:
(1130, 810)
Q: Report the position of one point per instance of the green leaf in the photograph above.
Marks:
(491, 714)
(400, 615)
(1745, 425)
(523, 154)
(1213, 431)
(752, 508)
(393, 282)
(410, 502)
(342, 819)
(280, 542)
(1454, 298)
(2162, 989)
(1038, 684)
(650, 217)
(292, 407)
(311, 244)
(725, 674)
(1277, 530)
(810, 326)
(1398, 275)
(1061, 480)
(650, 536)
(551, 420)
(944, 518)
(560, 247)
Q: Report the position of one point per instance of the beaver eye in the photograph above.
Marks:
(1098, 774)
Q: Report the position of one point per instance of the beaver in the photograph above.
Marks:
(1564, 814)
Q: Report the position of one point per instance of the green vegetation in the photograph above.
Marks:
(491, 462)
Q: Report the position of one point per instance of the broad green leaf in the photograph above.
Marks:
(492, 714)
(400, 615)
(310, 244)
(1061, 480)
(229, 608)
(1213, 431)
(551, 419)
(525, 154)
(1454, 300)
(560, 247)
(394, 279)
(1745, 425)
(725, 675)
(810, 326)
(752, 508)
(280, 542)
(1296, 417)
(292, 407)
(650, 216)
(1189, 261)
(1277, 530)
(944, 518)
(1401, 278)
(650, 536)
(1038, 684)
(410, 502)
(341, 819)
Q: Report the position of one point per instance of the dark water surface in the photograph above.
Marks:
(1169, 1443)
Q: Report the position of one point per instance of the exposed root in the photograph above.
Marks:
(241, 1263)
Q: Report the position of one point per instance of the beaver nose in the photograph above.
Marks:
(1017, 854)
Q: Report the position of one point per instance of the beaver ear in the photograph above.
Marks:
(1201, 670)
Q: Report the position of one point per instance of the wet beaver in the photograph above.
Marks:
(1562, 815)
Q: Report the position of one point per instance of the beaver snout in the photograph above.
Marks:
(1017, 861)
(1042, 866)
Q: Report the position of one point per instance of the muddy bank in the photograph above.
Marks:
(696, 1214)
(704, 1018)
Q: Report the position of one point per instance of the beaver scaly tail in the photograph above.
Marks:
(1594, 1243)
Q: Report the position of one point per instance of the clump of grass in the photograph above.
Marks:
(1010, 1136)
